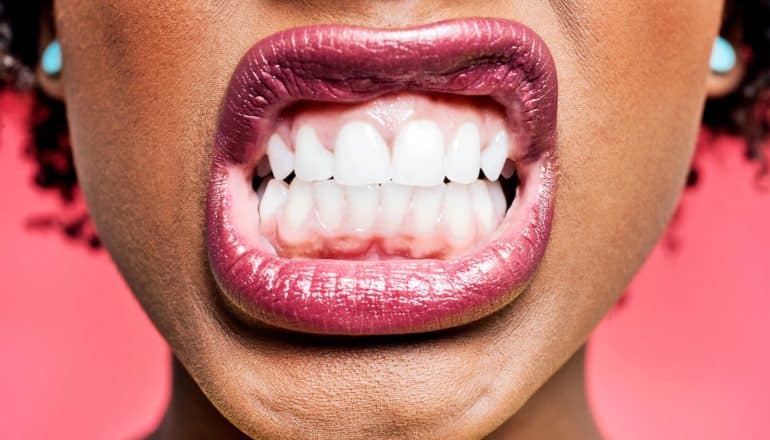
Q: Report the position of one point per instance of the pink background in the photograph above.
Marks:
(686, 356)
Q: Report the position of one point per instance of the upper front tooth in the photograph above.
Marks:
(493, 157)
(463, 157)
(361, 156)
(418, 154)
(280, 157)
(313, 162)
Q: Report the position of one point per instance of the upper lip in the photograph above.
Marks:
(500, 58)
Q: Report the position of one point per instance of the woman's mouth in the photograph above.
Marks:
(372, 182)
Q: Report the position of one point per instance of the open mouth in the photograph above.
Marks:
(371, 182)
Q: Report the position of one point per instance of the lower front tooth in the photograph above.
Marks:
(482, 207)
(426, 207)
(498, 199)
(394, 200)
(298, 206)
(362, 206)
(457, 214)
(330, 204)
(271, 201)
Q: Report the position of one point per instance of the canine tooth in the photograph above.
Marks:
(457, 214)
(362, 205)
(312, 161)
(418, 154)
(493, 157)
(426, 207)
(394, 203)
(361, 156)
(508, 169)
(330, 204)
(298, 204)
(482, 206)
(273, 198)
(281, 158)
(463, 157)
(498, 199)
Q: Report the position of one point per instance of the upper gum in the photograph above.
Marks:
(327, 119)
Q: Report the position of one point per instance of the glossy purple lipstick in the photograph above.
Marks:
(499, 59)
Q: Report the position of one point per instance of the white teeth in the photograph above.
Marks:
(457, 214)
(498, 199)
(361, 156)
(493, 157)
(426, 207)
(330, 203)
(394, 203)
(362, 206)
(280, 157)
(313, 162)
(482, 206)
(508, 169)
(463, 157)
(376, 190)
(271, 201)
(418, 154)
(298, 206)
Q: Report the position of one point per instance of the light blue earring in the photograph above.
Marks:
(51, 60)
(723, 57)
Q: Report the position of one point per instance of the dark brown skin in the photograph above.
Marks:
(143, 80)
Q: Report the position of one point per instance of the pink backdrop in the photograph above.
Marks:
(686, 356)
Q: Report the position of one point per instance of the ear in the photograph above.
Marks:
(50, 84)
(723, 83)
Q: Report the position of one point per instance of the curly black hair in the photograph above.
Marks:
(745, 112)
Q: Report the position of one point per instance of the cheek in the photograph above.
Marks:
(630, 110)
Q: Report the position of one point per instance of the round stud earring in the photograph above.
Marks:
(723, 57)
(51, 60)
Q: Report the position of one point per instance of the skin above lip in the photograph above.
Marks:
(332, 63)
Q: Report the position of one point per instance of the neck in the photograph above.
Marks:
(558, 410)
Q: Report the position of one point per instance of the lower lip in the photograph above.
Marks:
(394, 296)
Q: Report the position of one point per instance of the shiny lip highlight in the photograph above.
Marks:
(332, 63)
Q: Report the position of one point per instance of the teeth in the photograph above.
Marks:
(482, 207)
(395, 203)
(280, 157)
(378, 191)
(463, 158)
(271, 201)
(298, 205)
(498, 199)
(418, 154)
(457, 214)
(426, 207)
(493, 157)
(362, 206)
(330, 203)
(313, 162)
(361, 156)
